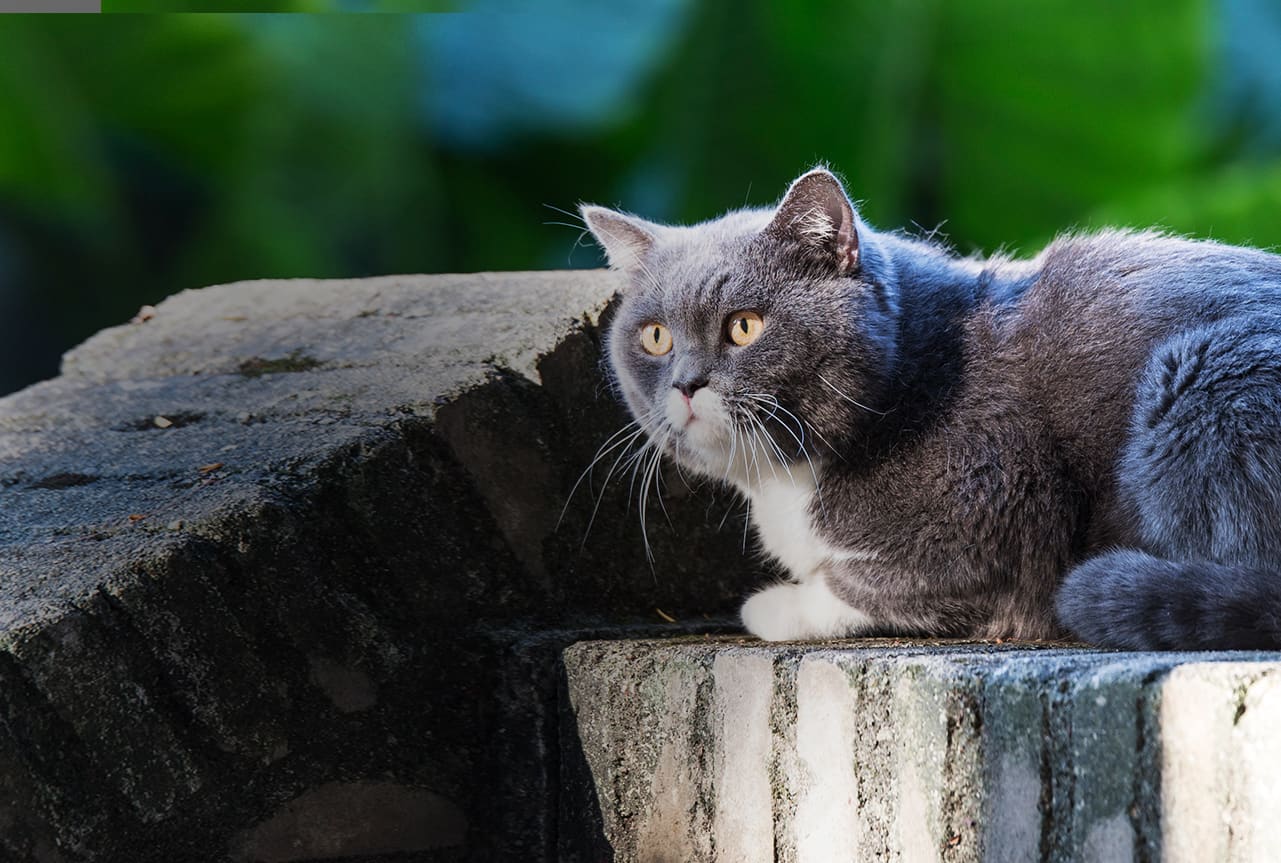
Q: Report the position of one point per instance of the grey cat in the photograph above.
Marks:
(1085, 442)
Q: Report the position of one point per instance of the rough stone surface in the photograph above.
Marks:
(719, 748)
(282, 578)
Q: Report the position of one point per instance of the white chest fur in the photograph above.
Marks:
(780, 513)
(782, 516)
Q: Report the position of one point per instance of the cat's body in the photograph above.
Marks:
(931, 444)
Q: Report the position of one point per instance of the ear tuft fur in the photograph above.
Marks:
(625, 239)
(817, 214)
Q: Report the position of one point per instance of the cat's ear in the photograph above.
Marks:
(625, 239)
(817, 215)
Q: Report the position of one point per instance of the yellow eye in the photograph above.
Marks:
(745, 327)
(656, 339)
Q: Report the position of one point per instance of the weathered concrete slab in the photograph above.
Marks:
(281, 576)
(726, 749)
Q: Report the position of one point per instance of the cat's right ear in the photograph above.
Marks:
(625, 239)
(816, 216)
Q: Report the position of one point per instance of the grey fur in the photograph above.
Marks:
(1102, 422)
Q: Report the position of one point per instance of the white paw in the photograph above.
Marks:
(796, 612)
(771, 614)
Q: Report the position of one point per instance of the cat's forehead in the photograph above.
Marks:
(685, 265)
(725, 237)
(702, 262)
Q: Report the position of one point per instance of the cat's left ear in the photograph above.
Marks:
(625, 239)
(817, 215)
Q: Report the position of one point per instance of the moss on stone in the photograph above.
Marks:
(294, 361)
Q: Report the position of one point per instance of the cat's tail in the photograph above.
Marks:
(1129, 599)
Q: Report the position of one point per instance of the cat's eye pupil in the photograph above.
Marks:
(655, 338)
(744, 327)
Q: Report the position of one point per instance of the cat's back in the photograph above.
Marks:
(1082, 328)
(1098, 302)
(1150, 280)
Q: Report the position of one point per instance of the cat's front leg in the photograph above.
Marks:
(801, 611)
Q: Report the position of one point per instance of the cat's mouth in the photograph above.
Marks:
(684, 411)
(700, 420)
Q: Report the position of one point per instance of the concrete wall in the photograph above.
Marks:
(729, 750)
(282, 576)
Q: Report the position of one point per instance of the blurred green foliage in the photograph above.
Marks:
(144, 154)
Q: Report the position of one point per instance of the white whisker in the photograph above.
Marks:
(653, 280)
(600, 497)
(824, 440)
(773, 403)
(733, 445)
(628, 434)
(647, 479)
(859, 404)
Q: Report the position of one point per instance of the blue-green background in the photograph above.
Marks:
(144, 154)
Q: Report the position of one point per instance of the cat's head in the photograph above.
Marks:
(762, 334)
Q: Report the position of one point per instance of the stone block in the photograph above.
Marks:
(725, 749)
(304, 551)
